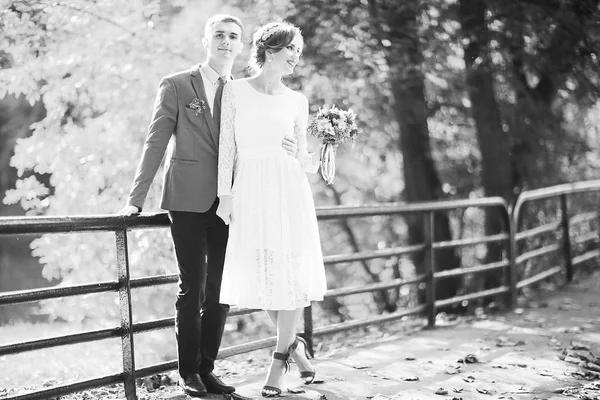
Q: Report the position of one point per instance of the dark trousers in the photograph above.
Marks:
(200, 240)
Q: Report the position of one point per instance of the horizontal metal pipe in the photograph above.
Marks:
(368, 255)
(557, 190)
(63, 390)
(26, 296)
(590, 255)
(345, 326)
(155, 280)
(584, 217)
(471, 270)
(87, 223)
(155, 324)
(551, 248)
(472, 296)
(471, 241)
(538, 277)
(585, 238)
(111, 222)
(393, 284)
(83, 337)
(538, 230)
(156, 368)
(335, 212)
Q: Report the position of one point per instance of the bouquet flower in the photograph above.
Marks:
(334, 126)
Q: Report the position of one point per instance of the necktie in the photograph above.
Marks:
(217, 104)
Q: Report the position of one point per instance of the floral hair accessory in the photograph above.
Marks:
(268, 32)
(199, 106)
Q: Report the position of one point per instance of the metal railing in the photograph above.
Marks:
(124, 284)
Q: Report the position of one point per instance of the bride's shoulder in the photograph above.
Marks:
(299, 96)
(300, 99)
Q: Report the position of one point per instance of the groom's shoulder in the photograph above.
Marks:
(179, 75)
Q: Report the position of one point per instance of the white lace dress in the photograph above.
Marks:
(274, 259)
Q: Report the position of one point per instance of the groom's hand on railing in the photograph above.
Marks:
(129, 210)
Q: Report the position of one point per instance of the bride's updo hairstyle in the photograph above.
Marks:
(273, 36)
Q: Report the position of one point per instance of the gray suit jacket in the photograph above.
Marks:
(192, 138)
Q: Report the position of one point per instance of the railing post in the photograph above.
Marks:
(126, 316)
(511, 279)
(566, 237)
(429, 234)
(308, 330)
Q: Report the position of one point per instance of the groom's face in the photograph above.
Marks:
(223, 41)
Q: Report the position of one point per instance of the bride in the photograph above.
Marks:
(273, 260)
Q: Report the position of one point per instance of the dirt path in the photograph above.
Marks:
(549, 349)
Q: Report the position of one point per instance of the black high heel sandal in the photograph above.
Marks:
(275, 391)
(307, 376)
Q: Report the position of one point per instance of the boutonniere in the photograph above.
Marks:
(199, 106)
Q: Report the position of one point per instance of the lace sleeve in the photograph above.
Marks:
(226, 142)
(303, 156)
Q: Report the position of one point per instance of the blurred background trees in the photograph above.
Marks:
(456, 99)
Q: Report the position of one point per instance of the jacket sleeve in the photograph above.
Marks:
(303, 156)
(227, 147)
(160, 131)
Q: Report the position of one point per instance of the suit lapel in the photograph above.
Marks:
(198, 86)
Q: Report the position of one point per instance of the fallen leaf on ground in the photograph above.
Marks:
(441, 391)
(554, 342)
(503, 341)
(575, 345)
(469, 359)
(452, 369)
(410, 378)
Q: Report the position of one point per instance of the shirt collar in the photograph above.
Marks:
(212, 75)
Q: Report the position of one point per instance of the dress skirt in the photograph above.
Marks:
(274, 259)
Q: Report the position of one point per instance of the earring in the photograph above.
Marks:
(270, 59)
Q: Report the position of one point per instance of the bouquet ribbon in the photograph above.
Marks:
(328, 162)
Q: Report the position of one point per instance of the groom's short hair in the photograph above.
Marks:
(222, 18)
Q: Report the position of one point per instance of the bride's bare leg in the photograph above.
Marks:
(286, 331)
(272, 316)
(299, 354)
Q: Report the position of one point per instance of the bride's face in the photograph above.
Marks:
(287, 58)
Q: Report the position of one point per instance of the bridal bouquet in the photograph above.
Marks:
(334, 126)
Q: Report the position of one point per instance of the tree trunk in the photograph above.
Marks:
(497, 172)
(422, 182)
(535, 121)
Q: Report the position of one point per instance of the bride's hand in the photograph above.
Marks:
(224, 210)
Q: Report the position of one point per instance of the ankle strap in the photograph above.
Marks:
(280, 356)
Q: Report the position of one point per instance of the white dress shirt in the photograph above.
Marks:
(210, 77)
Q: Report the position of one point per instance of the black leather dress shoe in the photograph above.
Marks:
(215, 385)
(192, 385)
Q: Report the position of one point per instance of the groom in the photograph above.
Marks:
(186, 119)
